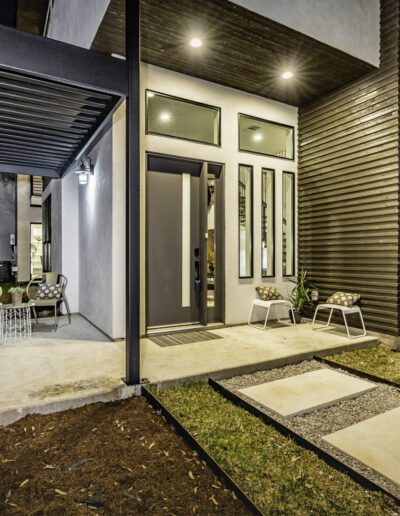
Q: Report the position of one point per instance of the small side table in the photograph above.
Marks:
(15, 322)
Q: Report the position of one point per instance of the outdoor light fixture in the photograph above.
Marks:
(165, 117)
(287, 75)
(84, 170)
(196, 42)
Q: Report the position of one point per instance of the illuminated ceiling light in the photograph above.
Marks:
(165, 117)
(257, 137)
(150, 94)
(287, 75)
(196, 42)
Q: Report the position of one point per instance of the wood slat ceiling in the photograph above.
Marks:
(241, 49)
(348, 186)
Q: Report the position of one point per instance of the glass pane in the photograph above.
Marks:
(36, 250)
(170, 116)
(263, 137)
(211, 258)
(245, 221)
(267, 223)
(288, 224)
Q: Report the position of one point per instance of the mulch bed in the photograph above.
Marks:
(111, 458)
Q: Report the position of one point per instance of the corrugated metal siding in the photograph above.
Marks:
(348, 186)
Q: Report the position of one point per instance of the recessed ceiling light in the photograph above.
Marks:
(257, 137)
(165, 117)
(287, 75)
(196, 42)
(150, 94)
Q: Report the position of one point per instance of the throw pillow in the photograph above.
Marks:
(268, 293)
(49, 291)
(343, 299)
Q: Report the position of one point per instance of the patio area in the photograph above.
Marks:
(48, 374)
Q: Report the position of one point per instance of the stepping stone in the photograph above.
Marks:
(374, 442)
(306, 392)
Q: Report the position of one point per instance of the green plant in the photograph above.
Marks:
(300, 296)
(16, 290)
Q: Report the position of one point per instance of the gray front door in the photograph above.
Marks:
(174, 267)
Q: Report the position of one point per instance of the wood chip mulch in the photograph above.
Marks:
(106, 458)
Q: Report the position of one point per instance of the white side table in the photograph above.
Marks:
(15, 322)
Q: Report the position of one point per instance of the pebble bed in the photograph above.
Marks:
(324, 421)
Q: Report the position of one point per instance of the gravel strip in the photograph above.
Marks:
(324, 421)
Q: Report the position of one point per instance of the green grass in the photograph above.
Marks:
(380, 361)
(278, 475)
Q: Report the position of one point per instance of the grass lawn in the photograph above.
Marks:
(278, 475)
(380, 361)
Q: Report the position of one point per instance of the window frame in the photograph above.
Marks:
(293, 174)
(267, 169)
(187, 101)
(258, 119)
(251, 167)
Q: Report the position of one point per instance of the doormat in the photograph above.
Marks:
(188, 337)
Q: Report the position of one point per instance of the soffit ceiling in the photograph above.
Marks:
(241, 49)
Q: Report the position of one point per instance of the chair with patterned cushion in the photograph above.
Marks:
(344, 302)
(269, 298)
(49, 291)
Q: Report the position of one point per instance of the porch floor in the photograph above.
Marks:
(49, 374)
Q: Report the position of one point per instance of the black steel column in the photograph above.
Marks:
(133, 194)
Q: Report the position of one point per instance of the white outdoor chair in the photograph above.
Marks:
(268, 305)
(346, 310)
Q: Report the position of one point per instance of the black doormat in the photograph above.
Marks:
(189, 337)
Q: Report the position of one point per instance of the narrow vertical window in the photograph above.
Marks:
(186, 247)
(245, 221)
(288, 224)
(267, 223)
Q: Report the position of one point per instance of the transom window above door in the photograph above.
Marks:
(182, 118)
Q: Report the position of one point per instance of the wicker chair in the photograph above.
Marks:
(50, 277)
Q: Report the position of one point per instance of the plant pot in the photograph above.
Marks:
(298, 317)
(16, 298)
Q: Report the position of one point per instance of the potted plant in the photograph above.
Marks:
(16, 295)
(301, 295)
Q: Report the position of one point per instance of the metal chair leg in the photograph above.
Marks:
(35, 315)
(330, 317)
(363, 325)
(266, 318)
(67, 307)
(314, 318)
(55, 318)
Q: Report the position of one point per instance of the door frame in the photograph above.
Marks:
(204, 166)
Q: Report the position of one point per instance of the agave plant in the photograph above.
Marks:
(301, 294)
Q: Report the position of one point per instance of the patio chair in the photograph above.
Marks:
(49, 278)
(346, 310)
(268, 304)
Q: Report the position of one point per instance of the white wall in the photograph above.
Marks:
(76, 21)
(239, 293)
(70, 238)
(349, 25)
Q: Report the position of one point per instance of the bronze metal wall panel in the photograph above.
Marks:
(348, 186)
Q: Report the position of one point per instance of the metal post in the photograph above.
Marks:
(133, 194)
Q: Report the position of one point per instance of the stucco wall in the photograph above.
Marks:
(7, 215)
(239, 293)
(351, 26)
(95, 239)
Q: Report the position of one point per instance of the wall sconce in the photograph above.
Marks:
(84, 170)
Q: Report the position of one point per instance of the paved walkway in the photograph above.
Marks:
(46, 374)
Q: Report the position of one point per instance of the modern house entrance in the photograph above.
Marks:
(184, 241)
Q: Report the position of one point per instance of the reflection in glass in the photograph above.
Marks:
(288, 224)
(264, 137)
(211, 258)
(245, 221)
(267, 223)
(179, 118)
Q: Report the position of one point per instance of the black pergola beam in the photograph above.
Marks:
(37, 56)
(133, 195)
(10, 168)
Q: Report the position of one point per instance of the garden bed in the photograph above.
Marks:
(115, 458)
(379, 361)
(278, 475)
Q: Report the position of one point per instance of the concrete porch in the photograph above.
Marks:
(50, 374)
